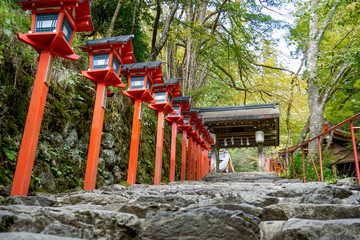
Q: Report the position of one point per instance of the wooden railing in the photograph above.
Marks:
(317, 138)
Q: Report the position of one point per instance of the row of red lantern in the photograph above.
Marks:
(54, 24)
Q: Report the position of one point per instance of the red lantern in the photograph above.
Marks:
(141, 77)
(54, 23)
(107, 56)
(163, 94)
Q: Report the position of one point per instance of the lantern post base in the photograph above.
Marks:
(95, 138)
(189, 173)
(159, 148)
(193, 170)
(30, 138)
(198, 170)
(135, 140)
(183, 156)
(173, 152)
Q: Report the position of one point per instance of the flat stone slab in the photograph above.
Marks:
(310, 211)
(295, 229)
(201, 223)
(32, 236)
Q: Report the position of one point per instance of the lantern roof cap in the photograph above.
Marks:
(193, 110)
(141, 65)
(171, 81)
(108, 40)
(167, 83)
(83, 20)
(181, 99)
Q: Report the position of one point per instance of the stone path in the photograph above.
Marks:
(221, 206)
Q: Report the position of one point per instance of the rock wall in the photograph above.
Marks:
(61, 155)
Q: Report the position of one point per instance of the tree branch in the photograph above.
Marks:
(113, 20)
(327, 21)
(275, 68)
(155, 50)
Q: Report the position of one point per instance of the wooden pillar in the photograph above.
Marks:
(183, 156)
(95, 138)
(173, 152)
(35, 114)
(159, 148)
(217, 149)
(198, 169)
(135, 140)
(193, 169)
(189, 174)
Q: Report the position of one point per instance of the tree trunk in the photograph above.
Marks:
(112, 23)
(315, 108)
(156, 47)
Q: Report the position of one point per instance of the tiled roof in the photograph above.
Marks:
(238, 107)
(117, 39)
(181, 99)
(141, 65)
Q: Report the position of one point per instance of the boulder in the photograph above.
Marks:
(200, 223)
(74, 222)
(57, 138)
(109, 157)
(72, 138)
(47, 179)
(41, 200)
(107, 140)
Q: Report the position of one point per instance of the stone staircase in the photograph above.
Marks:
(221, 206)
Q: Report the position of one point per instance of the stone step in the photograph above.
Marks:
(32, 236)
(310, 211)
(295, 229)
(222, 206)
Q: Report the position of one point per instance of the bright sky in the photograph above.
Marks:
(287, 61)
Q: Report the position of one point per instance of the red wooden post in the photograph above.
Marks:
(49, 43)
(292, 162)
(202, 162)
(159, 148)
(95, 138)
(355, 151)
(140, 76)
(320, 160)
(314, 166)
(198, 169)
(32, 127)
(285, 161)
(203, 167)
(163, 93)
(183, 156)
(303, 162)
(106, 56)
(135, 140)
(173, 151)
(189, 173)
(194, 160)
(208, 161)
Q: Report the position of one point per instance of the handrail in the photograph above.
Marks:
(273, 164)
(327, 131)
(318, 137)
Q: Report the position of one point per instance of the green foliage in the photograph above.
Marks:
(244, 159)
(329, 175)
(130, 12)
(10, 154)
